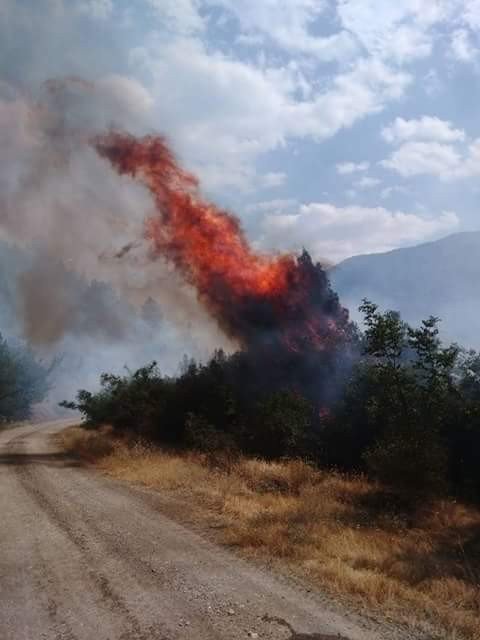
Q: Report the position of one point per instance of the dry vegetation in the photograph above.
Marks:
(344, 533)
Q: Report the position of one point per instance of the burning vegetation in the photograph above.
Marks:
(257, 300)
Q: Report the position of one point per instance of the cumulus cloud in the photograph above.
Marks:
(429, 158)
(204, 96)
(402, 31)
(346, 168)
(442, 161)
(273, 179)
(424, 128)
(462, 47)
(367, 182)
(388, 192)
(430, 146)
(470, 13)
(335, 233)
(273, 206)
(288, 24)
(181, 16)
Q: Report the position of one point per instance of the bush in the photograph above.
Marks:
(281, 422)
(414, 464)
(201, 435)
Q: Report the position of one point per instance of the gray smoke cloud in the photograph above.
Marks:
(85, 270)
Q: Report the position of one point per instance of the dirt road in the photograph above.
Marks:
(85, 558)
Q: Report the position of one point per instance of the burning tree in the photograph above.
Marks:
(279, 308)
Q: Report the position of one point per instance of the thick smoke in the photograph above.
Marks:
(84, 267)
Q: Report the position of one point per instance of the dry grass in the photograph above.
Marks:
(421, 569)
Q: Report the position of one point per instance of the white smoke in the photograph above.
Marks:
(79, 223)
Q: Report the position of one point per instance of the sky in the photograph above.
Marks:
(341, 126)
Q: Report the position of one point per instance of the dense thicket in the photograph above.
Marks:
(407, 411)
(23, 381)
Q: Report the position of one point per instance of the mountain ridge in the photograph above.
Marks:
(437, 278)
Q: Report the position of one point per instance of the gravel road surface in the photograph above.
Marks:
(83, 557)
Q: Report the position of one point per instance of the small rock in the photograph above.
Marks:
(230, 612)
(252, 634)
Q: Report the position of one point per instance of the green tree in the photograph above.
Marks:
(414, 391)
(282, 422)
(23, 381)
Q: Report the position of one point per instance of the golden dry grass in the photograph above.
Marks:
(344, 533)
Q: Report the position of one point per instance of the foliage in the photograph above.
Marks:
(407, 413)
(23, 381)
(409, 409)
(205, 407)
(282, 421)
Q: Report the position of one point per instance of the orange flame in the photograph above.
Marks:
(253, 296)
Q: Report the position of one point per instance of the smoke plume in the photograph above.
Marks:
(62, 204)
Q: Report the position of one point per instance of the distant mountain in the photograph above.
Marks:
(440, 278)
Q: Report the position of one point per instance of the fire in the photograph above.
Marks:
(256, 298)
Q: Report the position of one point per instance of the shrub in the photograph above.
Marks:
(281, 424)
(413, 464)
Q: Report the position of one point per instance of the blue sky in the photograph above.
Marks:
(345, 126)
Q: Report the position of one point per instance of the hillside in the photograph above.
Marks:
(438, 278)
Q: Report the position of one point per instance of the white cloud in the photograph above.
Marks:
(336, 233)
(462, 47)
(471, 13)
(408, 43)
(362, 91)
(389, 191)
(470, 166)
(402, 31)
(273, 179)
(273, 206)
(288, 24)
(181, 16)
(432, 158)
(346, 168)
(367, 182)
(430, 146)
(425, 128)
(223, 112)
